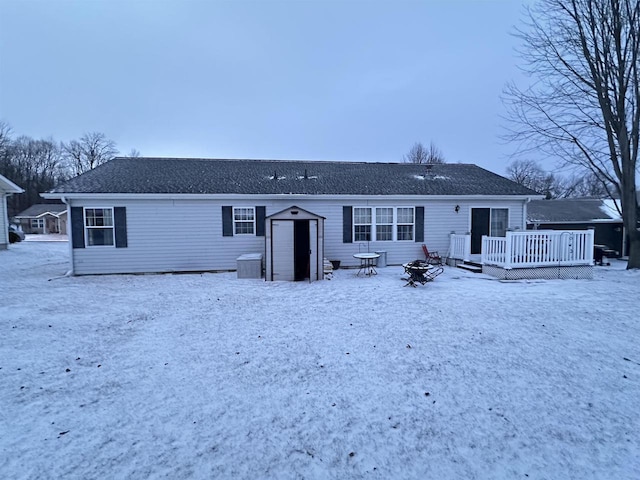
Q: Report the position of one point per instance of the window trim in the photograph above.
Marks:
(355, 224)
(39, 223)
(373, 224)
(86, 227)
(236, 222)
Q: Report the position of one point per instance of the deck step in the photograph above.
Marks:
(471, 266)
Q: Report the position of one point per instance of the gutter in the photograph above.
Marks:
(278, 196)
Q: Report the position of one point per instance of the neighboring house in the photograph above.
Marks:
(7, 188)
(44, 218)
(580, 214)
(134, 215)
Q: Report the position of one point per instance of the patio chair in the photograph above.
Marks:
(432, 258)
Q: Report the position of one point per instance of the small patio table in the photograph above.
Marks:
(367, 263)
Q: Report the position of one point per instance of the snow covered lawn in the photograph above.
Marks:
(208, 376)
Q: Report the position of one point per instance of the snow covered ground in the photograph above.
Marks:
(208, 376)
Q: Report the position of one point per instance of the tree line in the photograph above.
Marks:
(37, 165)
(530, 174)
(584, 183)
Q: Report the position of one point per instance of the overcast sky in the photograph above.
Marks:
(348, 80)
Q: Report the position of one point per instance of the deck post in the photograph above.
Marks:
(590, 242)
(508, 250)
(467, 247)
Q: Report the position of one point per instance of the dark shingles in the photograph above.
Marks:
(566, 210)
(212, 176)
(40, 208)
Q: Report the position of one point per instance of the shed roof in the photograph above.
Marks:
(566, 210)
(223, 176)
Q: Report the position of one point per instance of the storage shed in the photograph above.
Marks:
(294, 245)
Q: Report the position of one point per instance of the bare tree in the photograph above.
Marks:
(584, 105)
(421, 154)
(530, 174)
(133, 153)
(5, 136)
(35, 165)
(590, 185)
(91, 150)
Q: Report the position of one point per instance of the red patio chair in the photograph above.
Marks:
(432, 258)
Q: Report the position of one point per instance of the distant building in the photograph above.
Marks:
(44, 218)
(7, 188)
(580, 214)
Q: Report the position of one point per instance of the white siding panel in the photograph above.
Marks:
(186, 235)
(4, 234)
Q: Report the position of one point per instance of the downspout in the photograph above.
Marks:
(68, 204)
(525, 214)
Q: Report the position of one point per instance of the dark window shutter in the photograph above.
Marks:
(77, 227)
(419, 224)
(120, 223)
(227, 221)
(347, 224)
(261, 213)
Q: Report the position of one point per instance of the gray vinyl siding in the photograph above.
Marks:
(186, 235)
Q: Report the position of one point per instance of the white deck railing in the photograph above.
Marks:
(460, 246)
(539, 248)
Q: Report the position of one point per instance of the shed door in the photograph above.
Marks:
(282, 250)
(313, 250)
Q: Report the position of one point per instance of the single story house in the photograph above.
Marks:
(580, 214)
(7, 188)
(135, 215)
(44, 218)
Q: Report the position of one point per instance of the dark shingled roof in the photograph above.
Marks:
(564, 210)
(214, 176)
(40, 208)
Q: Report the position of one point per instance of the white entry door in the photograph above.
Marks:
(282, 246)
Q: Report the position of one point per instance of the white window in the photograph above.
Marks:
(244, 220)
(37, 223)
(389, 224)
(499, 222)
(98, 226)
(384, 224)
(362, 224)
(405, 223)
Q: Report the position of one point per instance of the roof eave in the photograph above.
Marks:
(9, 187)
(271, 196)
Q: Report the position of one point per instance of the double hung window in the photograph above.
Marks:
(406, 220)
(383, 224)
(37, 223)
(362, 224)
(244, 220)
(98, 225)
